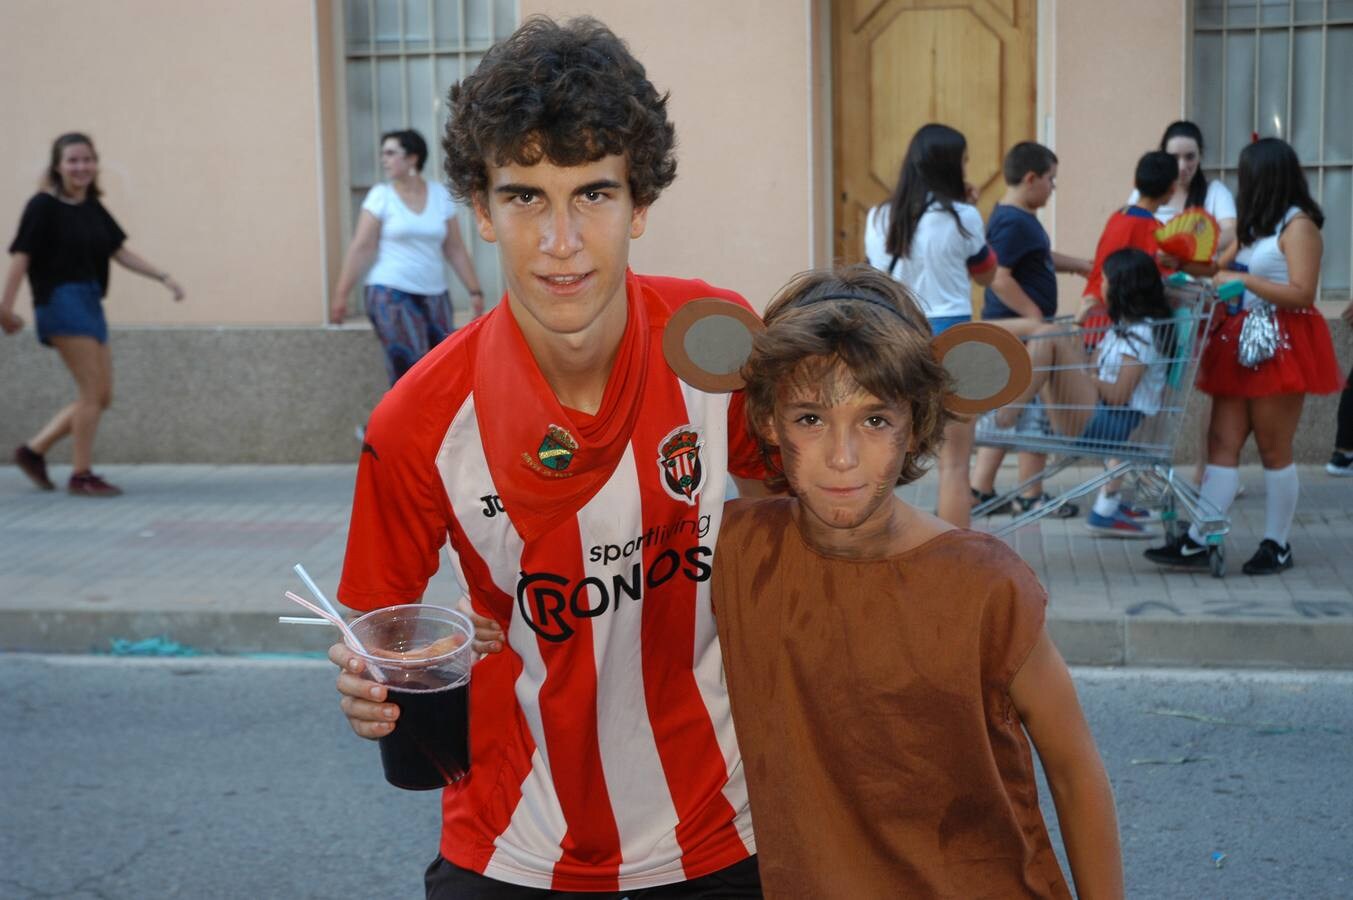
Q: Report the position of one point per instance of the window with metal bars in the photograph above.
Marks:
(399, 59)
(1281, 68)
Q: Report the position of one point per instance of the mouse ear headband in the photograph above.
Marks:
(707, 341)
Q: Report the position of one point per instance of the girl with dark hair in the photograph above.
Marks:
(929, 236)
(1184, 141)
(64, 243)
(1102, 399)
(1257, 386)
(1136, 294)
(404, 231)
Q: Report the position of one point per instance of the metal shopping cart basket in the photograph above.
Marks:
(1138, 448)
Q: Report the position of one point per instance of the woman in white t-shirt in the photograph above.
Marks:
(929, 236)
(404, 231)
(1184, 141)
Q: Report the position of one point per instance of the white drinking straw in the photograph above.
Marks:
(332, 612)
(314, 608)
(302, 620)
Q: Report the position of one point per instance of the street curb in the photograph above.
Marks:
(1202, 642)
(1083, 640)
(210, 632)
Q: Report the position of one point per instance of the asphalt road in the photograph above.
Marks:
(221, 778)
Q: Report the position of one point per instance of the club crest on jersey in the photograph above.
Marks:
(680, 465)
(557, 449)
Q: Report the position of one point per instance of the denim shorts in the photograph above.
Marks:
(940, 324)
(73, 309)
(1033, 419)
(1111, 425)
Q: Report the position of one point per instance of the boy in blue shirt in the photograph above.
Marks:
(1023, 295)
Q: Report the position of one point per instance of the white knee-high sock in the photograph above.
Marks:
(1219, 487)
(1106, 504)
(1281, 487)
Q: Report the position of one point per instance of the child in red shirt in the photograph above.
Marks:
(1131, 226)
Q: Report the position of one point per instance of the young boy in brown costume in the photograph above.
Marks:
(883, 665)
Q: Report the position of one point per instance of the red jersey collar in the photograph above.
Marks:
(547, 461)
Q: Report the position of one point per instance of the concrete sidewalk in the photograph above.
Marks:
(199, 556)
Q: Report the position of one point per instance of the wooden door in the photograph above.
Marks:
(898, 64)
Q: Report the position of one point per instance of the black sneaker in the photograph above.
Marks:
(87, 484)
(1340, 463)
(1186, 553)
(1270, 559)
(34, 466)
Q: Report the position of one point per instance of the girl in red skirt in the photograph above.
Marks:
(1277, 257)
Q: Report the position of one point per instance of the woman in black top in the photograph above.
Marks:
(64, 242)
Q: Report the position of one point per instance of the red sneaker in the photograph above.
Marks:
(87, 484)
(34, 466)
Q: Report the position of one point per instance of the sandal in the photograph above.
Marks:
(1065, 511)
(978, 498)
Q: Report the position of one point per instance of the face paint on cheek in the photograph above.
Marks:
(902, 446)
(789, 461)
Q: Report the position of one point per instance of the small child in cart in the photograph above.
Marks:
(1102, 399)
(884, 666)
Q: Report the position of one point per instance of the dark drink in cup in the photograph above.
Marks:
(422, 654)
(430, 746)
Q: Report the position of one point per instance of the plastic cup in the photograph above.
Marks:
(424, 653)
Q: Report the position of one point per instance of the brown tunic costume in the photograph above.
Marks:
(884, 757)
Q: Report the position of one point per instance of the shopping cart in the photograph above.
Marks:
(1140, 449)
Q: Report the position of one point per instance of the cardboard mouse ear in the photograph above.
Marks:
(707, 341)
(989, 366)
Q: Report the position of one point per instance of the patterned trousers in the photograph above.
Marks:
(408, 325)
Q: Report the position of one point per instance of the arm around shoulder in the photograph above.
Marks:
(1043, 693)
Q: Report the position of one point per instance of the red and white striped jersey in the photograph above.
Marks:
(601, 743)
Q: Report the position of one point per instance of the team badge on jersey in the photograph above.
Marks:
(557, 449)
(679, 463)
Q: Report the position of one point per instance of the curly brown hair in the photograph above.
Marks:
(882, 338)
(570, 94)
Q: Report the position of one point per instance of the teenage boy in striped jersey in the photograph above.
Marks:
(579, 486)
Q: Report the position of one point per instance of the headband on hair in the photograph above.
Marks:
(864, 298)
(707, 341)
